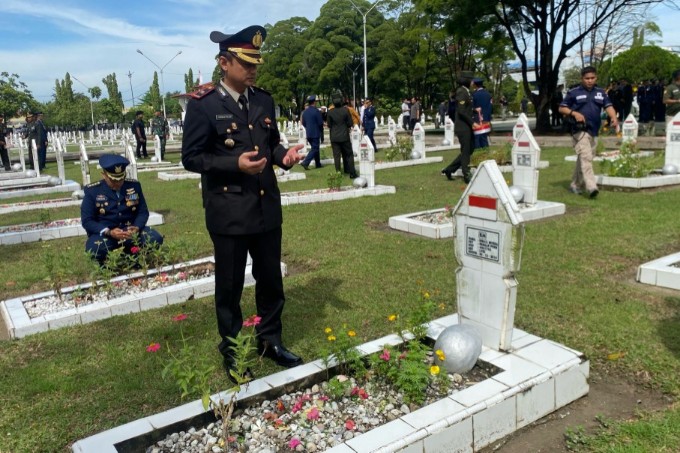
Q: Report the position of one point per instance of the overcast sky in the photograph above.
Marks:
(42, 40)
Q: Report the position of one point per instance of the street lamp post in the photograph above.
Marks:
(365, 58)
(354, 87)
(161, 70)
(90, 93)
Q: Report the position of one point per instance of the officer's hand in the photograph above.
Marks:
(614, 122)
(132, 230)
(251, 167)
(292, 157)
(579, 117)
(117, 234)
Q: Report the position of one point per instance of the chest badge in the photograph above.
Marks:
(229, 143)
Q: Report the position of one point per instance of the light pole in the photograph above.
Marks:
(365, 58)
(161, 70)
(90, 93)
(354, 87)
(129, 74)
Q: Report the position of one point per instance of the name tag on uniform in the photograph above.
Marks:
(224, 116)
(582, 96)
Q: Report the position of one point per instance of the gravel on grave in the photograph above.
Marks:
(436, 218)
(89, 295)
(47, 203)
(39, 226)
(316, 192)
(309, 420)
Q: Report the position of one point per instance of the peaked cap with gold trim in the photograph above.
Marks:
(114, 166)
(245, 44)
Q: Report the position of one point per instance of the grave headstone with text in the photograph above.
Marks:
(629, 130)
(419, 140)
(448, 132)
(673, 142)
(525, 156)
(84, 165)
(489, 234)
(391, 131)
(367, 161)
(355, 137)
(59, 154)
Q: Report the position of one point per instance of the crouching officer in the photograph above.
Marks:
(114, 212)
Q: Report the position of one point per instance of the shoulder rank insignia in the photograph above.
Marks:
(131, 180)
(94, 184)
(202, 90)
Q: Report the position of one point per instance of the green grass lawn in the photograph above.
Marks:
(576, 286)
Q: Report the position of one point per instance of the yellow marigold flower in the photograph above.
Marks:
(442, 306)
(440, 354)
(352, 333)
(328, 330)
(331, 338)
(392, 318)
(426, 295)
(434, 370)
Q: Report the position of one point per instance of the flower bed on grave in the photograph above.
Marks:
(38, 204)
(39, 226)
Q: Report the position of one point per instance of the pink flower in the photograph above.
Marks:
(297, 407)
(134, 249)
(294, 442)
(182, 276)
(313, 414)
(360, 392)
(153, 347)
(350, 425)
(323, 398)
(180, 317)
(252, 321)
(385, 355)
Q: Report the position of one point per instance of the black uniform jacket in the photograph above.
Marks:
(216, 133)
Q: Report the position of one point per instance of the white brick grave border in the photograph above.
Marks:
(408, 163)
(39, 204)
(20, 324)
(661, 272)
(638, 183)
(409, 224)
(539, 376)
(59, 232)
(291, 198)
(68, 186)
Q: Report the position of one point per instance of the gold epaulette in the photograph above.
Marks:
(202, 90)
(94, 184)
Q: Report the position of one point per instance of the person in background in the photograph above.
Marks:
(555, 101)
(368, 124)
(483, 107)
(114, 212)
(41, 140)
(30, 134)
(231, 138)
(504, 107)
(356, 120)
(313, 123)
(4, 155)
(159, 127)
(416, 111)
(463, 128)
(584, 105)
(406, 114)
(140, 135)
(671, 98)
(340, 123)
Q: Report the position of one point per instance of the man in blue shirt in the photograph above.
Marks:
(582, 106)
(481, 103)
(114, 212)
(313, 123)
(368, 121)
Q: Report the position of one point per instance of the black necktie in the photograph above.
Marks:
(243, 102)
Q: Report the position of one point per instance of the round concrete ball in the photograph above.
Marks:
(669, 169)
(16, 167)
(280, 172)
(415, 155)
(154, 159)
(78, 194)
(461, 345)
(31, 173)
(360, 182)
(445, 142)
(517, 193)
(53, 181)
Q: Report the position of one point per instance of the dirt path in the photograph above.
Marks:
(610, 397)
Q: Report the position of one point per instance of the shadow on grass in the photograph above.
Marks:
(669, 328)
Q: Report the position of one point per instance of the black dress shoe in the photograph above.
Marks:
(279, 354)
(306, 167)
(448, 174)
(229, 366)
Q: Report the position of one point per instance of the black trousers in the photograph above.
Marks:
(465, 138)
(141, 146)
(4, 155)
(231, 253)
(344, 149)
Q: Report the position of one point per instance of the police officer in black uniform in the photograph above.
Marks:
(114, 212)
(463, 128)
(231, 138)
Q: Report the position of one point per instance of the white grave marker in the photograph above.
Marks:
(302, 135)
(629, 130)
(391, 131)
(59, 154)
(489, 232)
(283, 140)
(521, 125)
(673, 142)
(84, 165)
(157, 148)
(448, 132)
(34, 152)
(131, 170)
(419, 140)
(22, 159)
(355, 137)
(367, 161)
(525, 156)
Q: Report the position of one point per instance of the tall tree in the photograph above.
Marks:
(153, 96)
(189, 82)
(543, 31)
(15, 97)
(115, 96)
